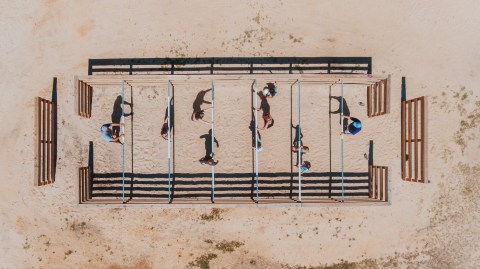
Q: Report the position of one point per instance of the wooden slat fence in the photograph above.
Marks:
(413, 140)
(378, 177)
(85, 183)
(84, 99)
(377, 98)
(45, 142)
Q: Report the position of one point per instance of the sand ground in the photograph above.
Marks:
(432, 43)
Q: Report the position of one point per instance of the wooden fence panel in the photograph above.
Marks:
(378, 181)
(377, 98)
(84, 99)
(84, 179)
(45, 142)
(413, 139)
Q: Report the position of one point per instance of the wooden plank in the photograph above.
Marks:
(87, 104)
(422, 135)
(409, 139)
(44, 116)
(47, 141)
(38, 150)
(403, 139)
(79, 185)
(380, 99)
(90, 92)
(369, 106)
(381, 182)
(52, 142)
(385, 96)
(415, 143)
(375, 169)
(386, 184)
(375, 100)
(89, 195)
(78, 97)
(370, 181)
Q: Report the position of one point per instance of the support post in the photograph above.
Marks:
(213, 143)
(256, 136)
(168, 134)
(122, 127)
(341, 138)
(299, 151)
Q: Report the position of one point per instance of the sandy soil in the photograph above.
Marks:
(432, 43)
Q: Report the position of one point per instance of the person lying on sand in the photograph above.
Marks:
(164, 131)
(208, 160)
(304, 167)
(267, 118)
(303, 149)
(270, 90)
(108, 134)
(198, 115)
(354, 127)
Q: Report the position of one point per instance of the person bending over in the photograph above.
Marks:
(109, 135)
(354, 127)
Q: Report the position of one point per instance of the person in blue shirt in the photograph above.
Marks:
(304, 167)
(270, 90)
(108, 134)
(354, 127)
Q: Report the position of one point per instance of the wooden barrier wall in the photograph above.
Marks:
(377, 99)
(84, 179)
(84, 99)
(378, 177)
(45, 142)
(413, 140)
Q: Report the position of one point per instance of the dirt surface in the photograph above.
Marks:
(434, 44)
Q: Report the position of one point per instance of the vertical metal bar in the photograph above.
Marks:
(213, 143)
(341, 138)
(256, 135)
(123, 141)
(47, 140)
(299, 144)
(422, 137)
(415, 145)
(168, 115)
(410, 139)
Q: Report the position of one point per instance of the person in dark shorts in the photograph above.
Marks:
(354, 127)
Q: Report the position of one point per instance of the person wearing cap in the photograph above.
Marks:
(304, 167)
(353, 128)
(270, 90)
(108, 134)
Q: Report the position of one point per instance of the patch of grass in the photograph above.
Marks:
(203, 261)
(208, 241)
(214, 215)
(69, 252)
(228, 246)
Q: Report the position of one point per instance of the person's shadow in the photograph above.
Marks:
(346, 110)
(264, 105)
(199, 100)
(117, 113)
(208, 143)
(172, 113)
(297, 129)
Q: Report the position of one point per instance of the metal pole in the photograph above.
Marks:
(341, 137)
(256, 134)
(122, 126)
(168, 121)
(299, 151)
(213, 145)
